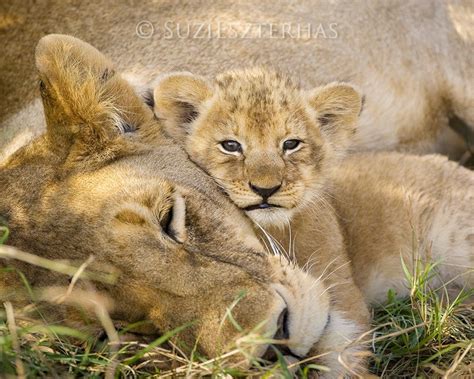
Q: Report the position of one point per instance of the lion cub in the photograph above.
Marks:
(268, 143)
(277, 151)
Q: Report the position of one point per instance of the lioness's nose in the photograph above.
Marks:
(282, 332)
(265, 192)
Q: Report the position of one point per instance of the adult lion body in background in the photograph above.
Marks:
(412, 60)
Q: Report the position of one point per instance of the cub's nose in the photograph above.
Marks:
(265, 192)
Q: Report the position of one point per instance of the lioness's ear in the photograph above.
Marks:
(88, 106)
(337, 106)
(178, 99)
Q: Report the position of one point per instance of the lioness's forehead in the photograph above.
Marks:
(150, 168)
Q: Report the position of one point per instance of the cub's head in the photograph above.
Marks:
(269, 143)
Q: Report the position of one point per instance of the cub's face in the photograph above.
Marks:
(268, 143)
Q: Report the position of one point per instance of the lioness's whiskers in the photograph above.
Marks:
(325, 269)
(311, 261)
(276, 247)
(328, 288)
(336, 269)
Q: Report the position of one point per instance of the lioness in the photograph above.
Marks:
(276, 150)
(104, 181)
(411, 59)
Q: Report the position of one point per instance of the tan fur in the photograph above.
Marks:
(105, 181)
(359, 217)
(411, 59)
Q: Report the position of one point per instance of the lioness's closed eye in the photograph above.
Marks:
(265, 140)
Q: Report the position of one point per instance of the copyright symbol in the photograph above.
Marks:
(144, 29)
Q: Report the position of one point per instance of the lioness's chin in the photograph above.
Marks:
(275, 217)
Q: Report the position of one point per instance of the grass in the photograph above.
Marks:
(427, 334)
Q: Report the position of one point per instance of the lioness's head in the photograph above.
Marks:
(265, 140)
(104, 181)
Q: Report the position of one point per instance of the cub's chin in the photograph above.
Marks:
(271, 217)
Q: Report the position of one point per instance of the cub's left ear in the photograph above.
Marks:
(338, 106)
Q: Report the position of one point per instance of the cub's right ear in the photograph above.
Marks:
(178, 99)
(338, 106)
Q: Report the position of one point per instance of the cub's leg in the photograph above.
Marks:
(343, 344)
(316, 244)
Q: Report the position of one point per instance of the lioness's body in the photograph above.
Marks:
(412, 60)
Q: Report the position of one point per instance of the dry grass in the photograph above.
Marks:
(426, 335)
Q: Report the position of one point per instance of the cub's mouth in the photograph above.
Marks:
(261, 206)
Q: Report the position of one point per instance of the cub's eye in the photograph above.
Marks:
(291, 144)
(231, 146)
